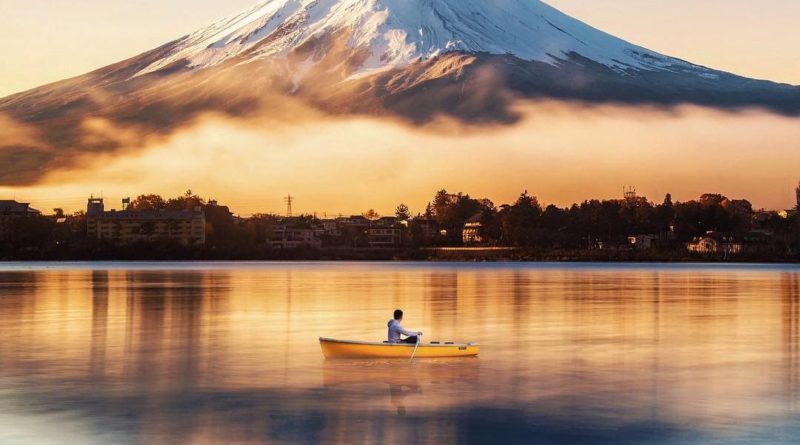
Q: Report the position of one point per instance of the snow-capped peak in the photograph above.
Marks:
(395, 33)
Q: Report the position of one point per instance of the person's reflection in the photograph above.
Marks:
(442, 381)
(400, 388)
(401, 377)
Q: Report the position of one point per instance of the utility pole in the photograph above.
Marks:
(289, 200)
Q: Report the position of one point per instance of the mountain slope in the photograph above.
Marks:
(396, 33)
(469, 59)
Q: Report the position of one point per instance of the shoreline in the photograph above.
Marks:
(431, 255)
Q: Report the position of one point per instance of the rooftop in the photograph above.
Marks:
(13, 207)
(151, 215)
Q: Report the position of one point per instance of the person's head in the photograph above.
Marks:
(398, 315)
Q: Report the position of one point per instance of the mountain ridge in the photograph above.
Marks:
(397, 33)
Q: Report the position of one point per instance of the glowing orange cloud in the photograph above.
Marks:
(561, 153)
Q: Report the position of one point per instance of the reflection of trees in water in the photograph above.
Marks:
(187, 303)
(99, 335)
(520, 289)
(443, 288)
(16, 304)
(164, 323)
(216, 295)
(288, 329)
(16, 288)
(144, 323)
(790, 297)
(166, 338)
(654, 290)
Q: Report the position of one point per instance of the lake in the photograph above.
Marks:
(207, 353)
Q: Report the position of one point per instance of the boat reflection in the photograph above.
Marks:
(415, 384)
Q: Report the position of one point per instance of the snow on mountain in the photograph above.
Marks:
(395, 33)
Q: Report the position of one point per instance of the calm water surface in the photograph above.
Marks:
(153, 353)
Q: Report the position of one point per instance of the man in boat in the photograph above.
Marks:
(396, 330)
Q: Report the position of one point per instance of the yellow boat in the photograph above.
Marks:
(358, 349)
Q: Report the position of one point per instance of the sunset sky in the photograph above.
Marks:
(685, 153)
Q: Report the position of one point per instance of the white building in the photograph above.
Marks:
(287, 237)
(715, 245)
(127, 227)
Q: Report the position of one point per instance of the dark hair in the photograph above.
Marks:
(398, 314)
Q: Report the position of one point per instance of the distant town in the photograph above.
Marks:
(453, 226)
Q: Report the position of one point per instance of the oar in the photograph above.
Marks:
(419, 339)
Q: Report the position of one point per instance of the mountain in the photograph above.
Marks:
(470, 59)
(396, 33)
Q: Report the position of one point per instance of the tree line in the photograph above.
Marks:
(525, 224)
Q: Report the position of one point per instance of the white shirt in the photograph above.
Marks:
(395, 329)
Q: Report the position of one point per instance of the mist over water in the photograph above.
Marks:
(209, 353)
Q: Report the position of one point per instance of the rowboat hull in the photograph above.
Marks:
(333, 349)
